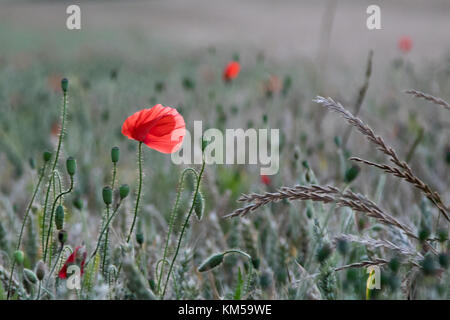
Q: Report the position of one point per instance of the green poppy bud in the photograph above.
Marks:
(64, 85)
(351, 173)
(442, 234)
(78, 203)
(140, 238)
(71, 166)
(211, 262)
(30, 276)
(428, 265)
(107, 195)
(394, 264)
(124, 190)
(59, 217)
(18, 257)
(443, 260)
(40, 270)
(324, 252)
(47, 155)
(62, 236)
(338, 141)
(424, 233)
(198, 206)
(342, 246)
(115, 154)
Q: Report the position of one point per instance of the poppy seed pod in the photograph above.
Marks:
(78, 203)
(40, 270)
(139, 238)
(107, 195)
(30, 276)
(18, 256)
(59, 217)
(351, 173)
(124, 190)
(64, 85)
(211, 262)
(198, 206)
(47, 155)
(71, 165)
(115, 154)
(62, 236)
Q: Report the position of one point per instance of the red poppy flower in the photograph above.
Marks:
(231, 71)
(78, 257)
(265, 180)
(405, 44)
(161, 128)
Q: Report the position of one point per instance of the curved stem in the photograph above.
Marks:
(138, 193)
(55, 162)
(173, 215)
(56, 263)
(186, 222)
(52, 214)
(102, 232)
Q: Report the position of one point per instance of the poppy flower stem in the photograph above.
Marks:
(52, 214)
(55, 162)
(186, 222)
(105, 244)
(138, 192)
(105, 227)
(172, 218)
(19, 241)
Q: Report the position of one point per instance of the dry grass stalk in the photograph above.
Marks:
(407, 173)
(366, 241)
(363, 264)
(429, 97)
(325, 194)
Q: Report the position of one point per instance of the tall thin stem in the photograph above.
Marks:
(19, 241)
(138, 192)
(186, 222)
(52, 214)
(105, 245)
(172, 221)
(55, 162)
(102, 232)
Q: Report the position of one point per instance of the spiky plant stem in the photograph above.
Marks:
(172, 218)
(138, 192)
(27, 211)
(53, 213)
(55, 162)
(183, 229)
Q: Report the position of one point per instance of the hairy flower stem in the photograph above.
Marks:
(113, 182)
(105, 244)
(105, 227)
(53, 213)
(55, 162)
(172, 221)
(19, 241)
(138, 192)
(186, 222)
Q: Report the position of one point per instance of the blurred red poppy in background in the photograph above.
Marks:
(231, 70)
(78, 257)
(405, 44)
(161, 128)
(265, 180)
